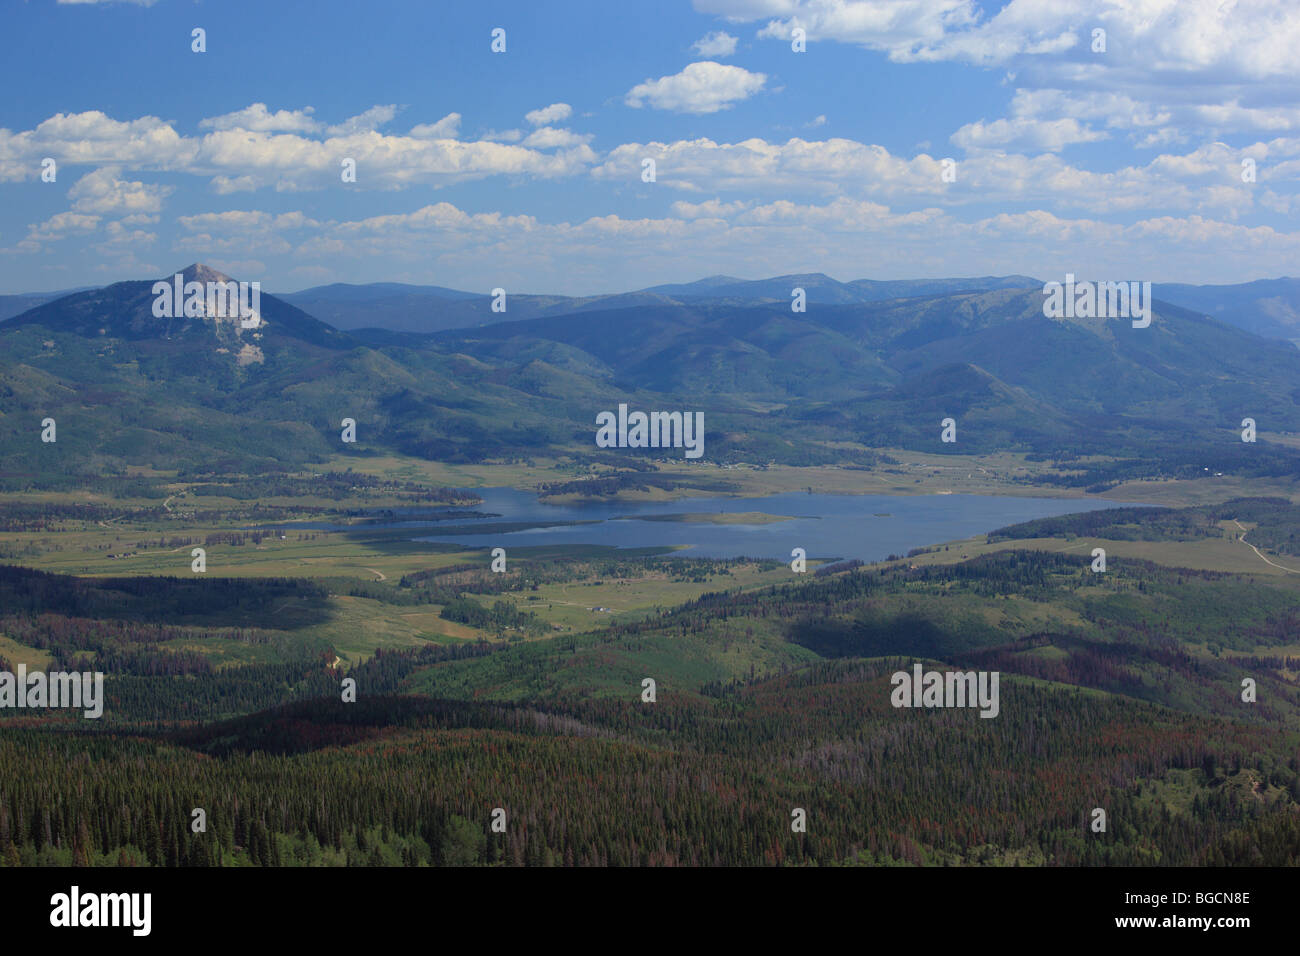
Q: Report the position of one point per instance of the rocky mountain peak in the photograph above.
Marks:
(198, 272)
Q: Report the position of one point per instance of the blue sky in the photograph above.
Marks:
(523, 169)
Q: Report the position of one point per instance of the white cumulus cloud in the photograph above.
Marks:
(1026, 132)
(103, 192)
(446, 128)
(715, 44)
(549, 115)
(366, 122)
(703, 87)
(258, 117)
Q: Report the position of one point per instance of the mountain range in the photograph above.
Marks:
(412, 308)
(1267, 307)
(868, 365)
(11, 305)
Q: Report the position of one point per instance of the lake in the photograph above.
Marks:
(868, 527)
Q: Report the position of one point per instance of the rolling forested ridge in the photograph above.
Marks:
(1104, 704)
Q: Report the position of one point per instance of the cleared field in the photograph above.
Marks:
(16, 654)
(358, 626)
(457, 476)
(1204, 491)
(590, 605)
(1209, 554)
(369, 556)
(916, 473)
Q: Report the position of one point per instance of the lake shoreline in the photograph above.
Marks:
(836, 526)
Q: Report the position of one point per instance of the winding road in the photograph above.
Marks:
(1261, 554)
